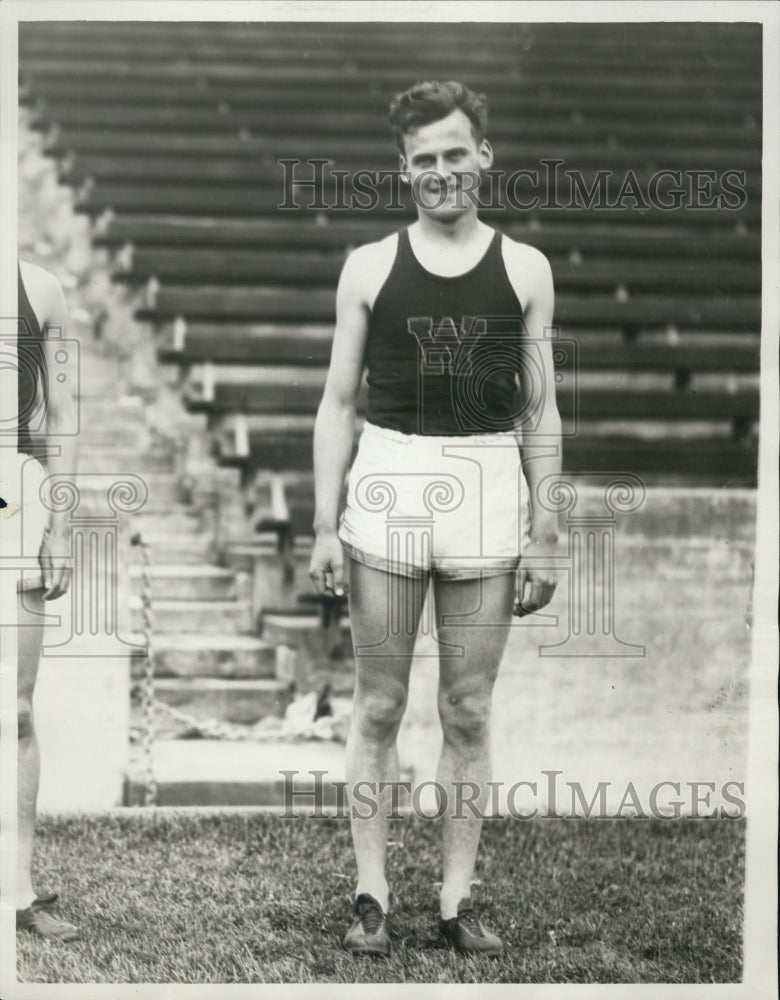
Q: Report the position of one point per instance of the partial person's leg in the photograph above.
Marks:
(31, 912)
(384, 610)
(484, 610)
(30, 636)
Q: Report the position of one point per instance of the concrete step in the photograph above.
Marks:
(306, 650)
(233, 773)
(94, 435)
(297, 628)
(277, 580)
(184, 548)
(188, 582)
(241, 701)
(272, 583)
(103, 458)
(99, 378)
(201, 480)
(193, 616)
(116, 412)
(165, 490)
(214, 654)
(181, 520)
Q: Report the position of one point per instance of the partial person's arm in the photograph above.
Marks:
(61, 440)
(334, 428)
(539, 438)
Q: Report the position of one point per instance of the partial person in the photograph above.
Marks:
(46, 446)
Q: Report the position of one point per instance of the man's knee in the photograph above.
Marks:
(379, 711)
(465, 714)
(24, 719)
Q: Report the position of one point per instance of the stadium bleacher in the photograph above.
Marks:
(171, 136)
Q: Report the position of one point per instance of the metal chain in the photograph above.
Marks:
(147, 683)
(212, 728)
(207, 728)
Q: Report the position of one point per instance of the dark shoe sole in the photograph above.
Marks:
(489, 952)
(379, 950)
(374, 953)
(65, 936)
(461, 950)
(52, 928)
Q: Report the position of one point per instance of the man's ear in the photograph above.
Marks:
(485, 155)
(403, 167)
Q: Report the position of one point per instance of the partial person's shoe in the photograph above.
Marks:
(466, 933)
(48, 899)
(369, 934)
(38, 920)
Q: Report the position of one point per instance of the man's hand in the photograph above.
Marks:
(326, 569)
(537, 577)
(54, 558)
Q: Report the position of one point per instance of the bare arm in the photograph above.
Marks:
(334, 428)
(48, 300)
(539, 437)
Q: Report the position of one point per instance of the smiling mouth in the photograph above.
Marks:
(443, 189)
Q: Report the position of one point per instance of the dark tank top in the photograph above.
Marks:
(31, 380)
(442, 353)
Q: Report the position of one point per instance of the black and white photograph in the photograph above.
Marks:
(388, 496)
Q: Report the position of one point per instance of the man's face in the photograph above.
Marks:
(443, 161)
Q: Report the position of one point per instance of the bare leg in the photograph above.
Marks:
(384, 613)
(30, 635)
(465, 692)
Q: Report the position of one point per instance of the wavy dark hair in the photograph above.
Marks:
(433, 100)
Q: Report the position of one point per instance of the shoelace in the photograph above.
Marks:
(468, 919)
(371, 917)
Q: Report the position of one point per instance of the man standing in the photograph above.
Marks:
(45, 411)
(447, 317)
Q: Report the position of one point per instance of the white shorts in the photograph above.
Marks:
(23, 519)
(418, 503)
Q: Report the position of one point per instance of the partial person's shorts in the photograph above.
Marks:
(418, 503)
(23, 519)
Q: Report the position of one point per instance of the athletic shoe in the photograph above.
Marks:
(466, 933)
(369, 934)
(39, 921)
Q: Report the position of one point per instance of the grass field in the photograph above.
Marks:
(248, 898)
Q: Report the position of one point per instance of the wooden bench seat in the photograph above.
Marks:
(290, 390)
(230, 343)
(307, 269)
(255, 267)
(400, 53)
(640, 240)
(213, 114)
(555, 79)
(733, 313)
(265, 200)
(656, 37)
(350, 152)
(719, 459)
(278, 344)
(612, 112)
(122, 171)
